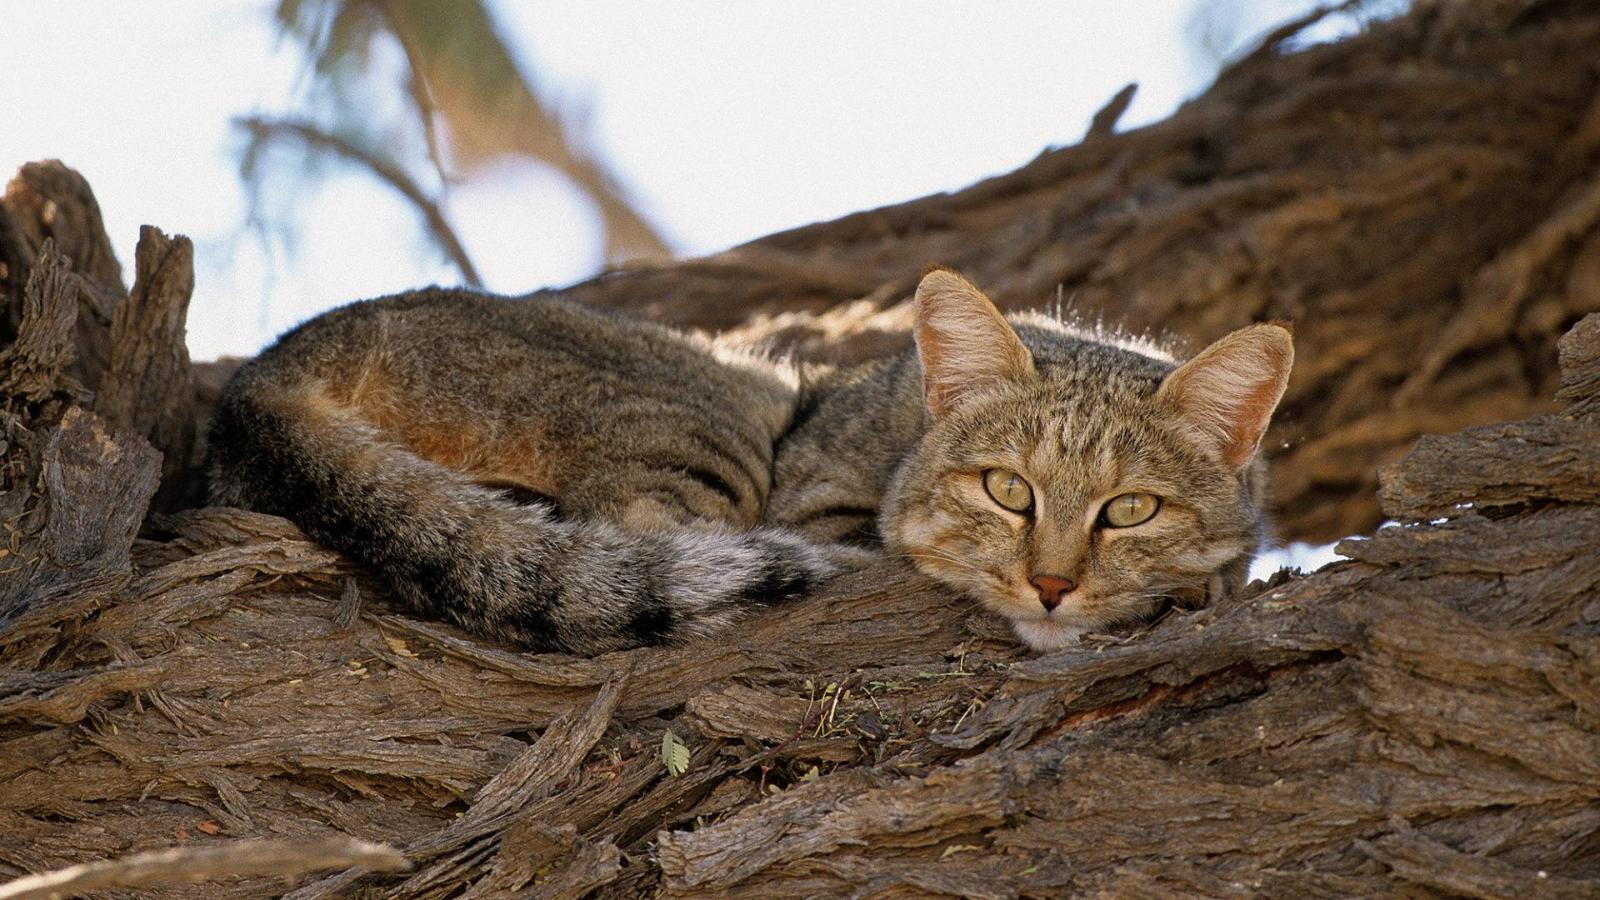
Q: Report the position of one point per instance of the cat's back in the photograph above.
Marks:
(541, 394)
(471, 345)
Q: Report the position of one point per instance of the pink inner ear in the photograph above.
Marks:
(963, 342)
(939, 394)
(1254, 414)
(1230, 390)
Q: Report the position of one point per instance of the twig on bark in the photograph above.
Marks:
(1104, 123)
(237, 859)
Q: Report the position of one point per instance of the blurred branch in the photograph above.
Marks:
(1104, 123)
(422, 98)
(240, 858)
(466, 88)
(1225, 34)
(1274, 39)
(492, 111)
(265, 131)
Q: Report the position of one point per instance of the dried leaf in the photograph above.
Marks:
(674, 753)
(398, 645)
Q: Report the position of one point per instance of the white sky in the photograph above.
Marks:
(726, 121)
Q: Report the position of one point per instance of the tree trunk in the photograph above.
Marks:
(1420, 199)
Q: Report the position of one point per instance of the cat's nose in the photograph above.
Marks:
(1051, 589)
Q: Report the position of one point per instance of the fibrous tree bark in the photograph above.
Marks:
(1421, 719)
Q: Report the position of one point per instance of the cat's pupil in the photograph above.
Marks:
(1008, 490)
(1126, 510)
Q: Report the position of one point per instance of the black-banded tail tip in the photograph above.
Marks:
(652, 623)
(779, 582)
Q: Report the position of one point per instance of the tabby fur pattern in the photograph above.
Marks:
(571, 480)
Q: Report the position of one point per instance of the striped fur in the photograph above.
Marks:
(546, 474)
(404, 431)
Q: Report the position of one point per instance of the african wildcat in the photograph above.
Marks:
(1066, 480)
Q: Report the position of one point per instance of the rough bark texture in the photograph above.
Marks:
(146, 389)
(1423, 719)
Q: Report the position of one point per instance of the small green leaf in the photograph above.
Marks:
(674, 753)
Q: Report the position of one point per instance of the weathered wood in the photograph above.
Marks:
(71, 533)
(1580, 368)
(147, 389)
(1551, 457)
(560, 862)
(1420, 719)
(32, 367)
(200, 864)
(535, 771)
(47, 201)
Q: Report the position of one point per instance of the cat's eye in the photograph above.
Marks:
(1127, 510)
(1008, 489)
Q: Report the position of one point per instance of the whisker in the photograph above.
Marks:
(939, 555)
(936, 552)
(961, 565)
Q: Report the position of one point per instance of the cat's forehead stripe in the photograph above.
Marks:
(1109, 460)
(1044, 457)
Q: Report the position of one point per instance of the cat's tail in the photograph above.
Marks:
(468, 554)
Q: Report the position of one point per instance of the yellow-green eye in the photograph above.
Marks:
(1008, 489)
(1127, 510)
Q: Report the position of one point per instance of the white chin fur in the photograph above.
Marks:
(1043, 634)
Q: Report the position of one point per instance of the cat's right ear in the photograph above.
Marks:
(1226, 395)
(965, 345)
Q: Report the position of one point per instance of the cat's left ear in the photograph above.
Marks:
(965, 345)
(1226, 395)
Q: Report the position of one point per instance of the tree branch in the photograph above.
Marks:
(263, 131)
(1104, 123)
(240, 858)
(421, 95)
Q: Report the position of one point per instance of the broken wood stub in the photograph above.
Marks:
(126, 351)
(71, 528)
(148, 390)
(33, 367)
(47, 201)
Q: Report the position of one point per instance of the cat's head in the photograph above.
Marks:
(1069, 481)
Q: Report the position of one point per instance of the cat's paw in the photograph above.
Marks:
(1044, 634)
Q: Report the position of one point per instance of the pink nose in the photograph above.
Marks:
(1051, 589)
